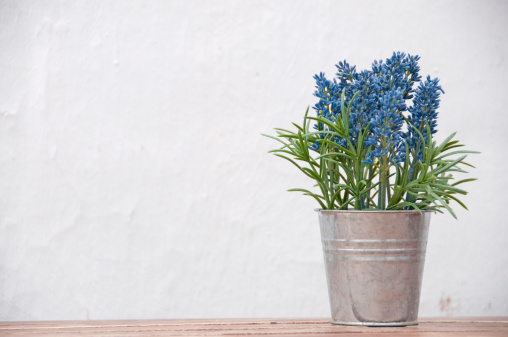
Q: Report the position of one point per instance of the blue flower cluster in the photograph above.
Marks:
(424, 110)
(383, 93)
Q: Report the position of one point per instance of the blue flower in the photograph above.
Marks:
(386, 124)
(315, 146)
(424, 111)
(382, 95)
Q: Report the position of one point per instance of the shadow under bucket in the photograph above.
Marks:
(374, 265)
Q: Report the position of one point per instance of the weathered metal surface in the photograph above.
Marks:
(374, 265)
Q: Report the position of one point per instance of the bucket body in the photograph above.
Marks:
(374, 265)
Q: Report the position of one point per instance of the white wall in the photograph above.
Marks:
(134, 182)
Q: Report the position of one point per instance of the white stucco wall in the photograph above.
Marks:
(134, 182)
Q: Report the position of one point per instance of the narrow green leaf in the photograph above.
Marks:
(458, 201)
(446, 167)
(316, 197)
(464, 181)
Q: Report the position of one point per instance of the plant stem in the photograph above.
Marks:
(371, 171)
(388, 192)
(382, 185)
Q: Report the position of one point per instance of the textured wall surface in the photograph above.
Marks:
(134, 182)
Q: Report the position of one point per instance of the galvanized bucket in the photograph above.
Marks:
(374, 265)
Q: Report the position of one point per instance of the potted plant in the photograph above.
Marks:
(378, 176)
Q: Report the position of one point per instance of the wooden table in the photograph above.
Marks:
(464, 327)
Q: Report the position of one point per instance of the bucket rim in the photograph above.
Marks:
(320, 210)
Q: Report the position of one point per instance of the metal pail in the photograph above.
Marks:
(374, 265)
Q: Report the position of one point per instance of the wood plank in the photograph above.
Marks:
(473, 327)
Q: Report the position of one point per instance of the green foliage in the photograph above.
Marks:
(343, 180)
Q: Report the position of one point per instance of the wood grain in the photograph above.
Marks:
(464, 327)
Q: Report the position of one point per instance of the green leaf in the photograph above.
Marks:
(464, 181)
(401, 205)
(458, 201)
(446, 142)
(456, 152)
(328, 123)
(298, 126)
(309, 193)
(277, 139)
(301, 168)
(348, 152)
(443, 187)
(442, 202)
(352, 99)
(446, 167)
(329, 154)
